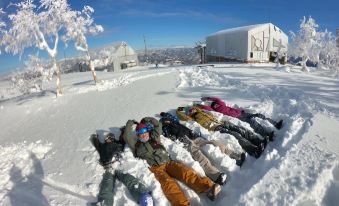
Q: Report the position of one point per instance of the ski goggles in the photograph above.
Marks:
(142, 131)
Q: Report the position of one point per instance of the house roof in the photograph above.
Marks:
(238, 29)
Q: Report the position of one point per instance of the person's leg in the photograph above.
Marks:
(258, 128)
(195, 150)
(250, 148)
(105, 196)
(134, 186)
(278, 124)
(189, 177)
(169, 186)
(238, 156)
(223, 148)
(247, 134)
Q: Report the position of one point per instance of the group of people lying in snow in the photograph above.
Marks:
(147, 146)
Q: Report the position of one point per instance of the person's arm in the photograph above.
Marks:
(205, 107)
(157, 127)
(128, 135)
(217, 100)
(181, 115)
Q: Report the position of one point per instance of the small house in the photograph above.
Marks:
(115, 57)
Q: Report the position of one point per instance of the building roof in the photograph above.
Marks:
(112, 46)
(239, 29)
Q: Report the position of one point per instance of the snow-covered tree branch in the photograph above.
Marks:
(42, 26)
(315, 46)
(2, 28)
(305, 43)
(83, 24)
(30, 79)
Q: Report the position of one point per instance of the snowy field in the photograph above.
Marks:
(47, 159)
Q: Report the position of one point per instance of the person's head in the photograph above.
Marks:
(166, 120)
(215, 105)
(106, 136)
(192, 110)
(142, 132)
(109, 138)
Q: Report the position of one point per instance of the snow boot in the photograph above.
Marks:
(239, 158)
(214, 192)
(271, 136)
(221, 180)
(146, 199)
(259, 149)
(240, 161)
(279, 124)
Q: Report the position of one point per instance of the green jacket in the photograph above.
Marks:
(152, 151)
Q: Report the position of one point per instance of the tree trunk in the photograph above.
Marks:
(304, 66)
(92, 67)
(93, 71)
(58, 80)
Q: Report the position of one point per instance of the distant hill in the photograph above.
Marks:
(169, 55)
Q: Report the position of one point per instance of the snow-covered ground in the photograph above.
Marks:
(46, 158)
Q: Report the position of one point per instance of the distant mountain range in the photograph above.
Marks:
(185, 55)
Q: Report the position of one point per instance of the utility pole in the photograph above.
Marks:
(145, 49)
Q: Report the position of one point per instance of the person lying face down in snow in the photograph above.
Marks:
(110, 153)
(193, 142)
(147, 146)
(251, 142)
(216, 104)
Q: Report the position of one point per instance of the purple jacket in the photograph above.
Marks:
(219, 106)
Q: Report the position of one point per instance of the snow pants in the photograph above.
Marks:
(250, 118)
(105, 196)
(195, 147)
(166, 173)
(251, 142)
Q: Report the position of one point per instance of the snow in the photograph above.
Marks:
(238, 29)
(47, 159)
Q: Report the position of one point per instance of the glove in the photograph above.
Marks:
(204, 98)
(135, 121)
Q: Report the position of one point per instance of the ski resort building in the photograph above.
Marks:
(254, 43)
(115, 57)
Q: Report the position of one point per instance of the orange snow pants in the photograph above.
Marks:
(172, 169)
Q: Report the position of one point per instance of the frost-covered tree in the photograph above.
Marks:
(40, 26)
(305, 43)
(31, 78)
(2, 28)
(81, 25)
(2, 23)
(329, 52)
(316, 46)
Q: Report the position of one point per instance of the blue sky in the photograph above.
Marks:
(183, 22)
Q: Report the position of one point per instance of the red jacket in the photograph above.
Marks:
(219, 106)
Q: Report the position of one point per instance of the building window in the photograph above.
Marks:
(251, 55)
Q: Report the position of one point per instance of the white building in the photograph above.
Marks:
(255, 43)
(115, 57)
